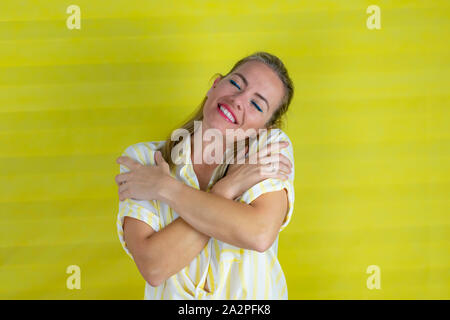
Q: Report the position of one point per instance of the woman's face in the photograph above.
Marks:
(245, 99)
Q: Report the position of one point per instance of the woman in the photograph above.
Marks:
(198, 230)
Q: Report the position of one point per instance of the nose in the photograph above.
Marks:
(237, 102)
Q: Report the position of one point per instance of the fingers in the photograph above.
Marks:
(275, 164)
(280, 176)
(275, 158)
(275, 173)
(123, 196)
(123, 177)
(267, 150)
(284, 169)
(128, 162)
(273, 147)
(123, 187)
(123, 192)
(161, 162)
(285, 160)
(159, 158)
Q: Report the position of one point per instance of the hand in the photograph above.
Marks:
(242, 176)
(142, 182)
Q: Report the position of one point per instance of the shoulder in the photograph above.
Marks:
(276, 135)
(143, 151)
(269, 136)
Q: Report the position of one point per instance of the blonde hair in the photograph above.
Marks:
(276, 120)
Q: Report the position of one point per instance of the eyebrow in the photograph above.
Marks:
(246, 84)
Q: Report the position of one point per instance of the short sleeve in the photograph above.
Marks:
(146, 211)
(272, 184)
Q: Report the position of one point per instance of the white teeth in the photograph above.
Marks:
(227, 113)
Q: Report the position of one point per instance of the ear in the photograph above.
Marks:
(217, 80)
(214, 84)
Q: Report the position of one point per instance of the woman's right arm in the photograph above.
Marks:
(160, 255)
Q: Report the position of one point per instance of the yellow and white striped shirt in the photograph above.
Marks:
(230, 272)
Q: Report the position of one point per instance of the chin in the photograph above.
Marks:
(216, 125)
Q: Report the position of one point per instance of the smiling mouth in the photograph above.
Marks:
(226, 114)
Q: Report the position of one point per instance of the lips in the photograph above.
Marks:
(225, 106)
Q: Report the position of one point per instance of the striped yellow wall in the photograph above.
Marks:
(369, 123)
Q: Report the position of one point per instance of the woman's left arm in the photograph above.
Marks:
(251, 226)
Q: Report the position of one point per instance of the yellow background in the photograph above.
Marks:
(369, 123)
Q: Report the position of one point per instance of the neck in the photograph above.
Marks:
(207, 150)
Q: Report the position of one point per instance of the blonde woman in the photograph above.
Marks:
(202, 230)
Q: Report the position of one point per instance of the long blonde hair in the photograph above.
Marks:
(276, 121)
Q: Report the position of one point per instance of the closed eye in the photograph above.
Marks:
(257, 107)
(235, 84)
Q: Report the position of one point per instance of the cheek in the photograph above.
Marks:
(255, 120)
(209, 105)
(221, 90)
(256, 115)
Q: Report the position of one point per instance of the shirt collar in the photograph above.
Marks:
(183, 157)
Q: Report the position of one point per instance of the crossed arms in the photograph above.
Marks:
(159, 255)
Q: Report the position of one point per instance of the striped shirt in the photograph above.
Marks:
(220, 270)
